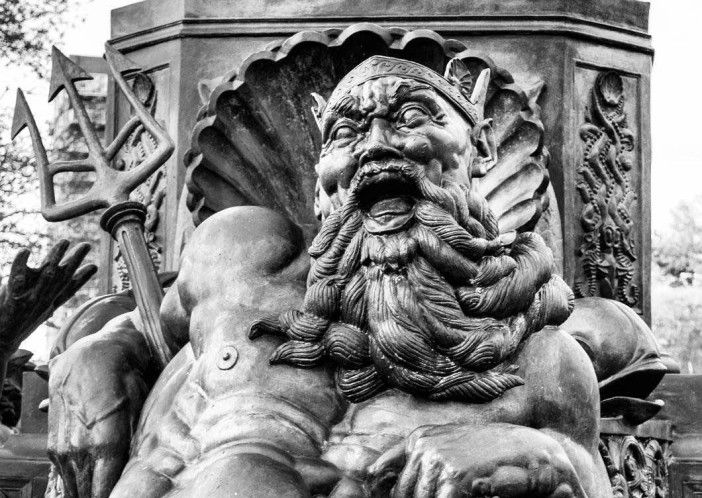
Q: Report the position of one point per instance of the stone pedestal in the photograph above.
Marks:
(683, 403)
(583, 52)
(24, 466)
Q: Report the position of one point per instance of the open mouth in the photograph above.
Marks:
(386, 196)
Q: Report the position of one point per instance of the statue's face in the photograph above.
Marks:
(410, 286)
(376, 134)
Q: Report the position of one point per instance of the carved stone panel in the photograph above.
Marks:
(608, 182)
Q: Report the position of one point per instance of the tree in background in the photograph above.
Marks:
(676, 294)
(28, 29)
(678, 251)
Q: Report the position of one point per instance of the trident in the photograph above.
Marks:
(123, 218)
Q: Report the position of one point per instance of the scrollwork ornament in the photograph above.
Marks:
(607, 248)
(637, 467)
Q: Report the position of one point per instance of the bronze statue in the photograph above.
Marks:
(417, 354)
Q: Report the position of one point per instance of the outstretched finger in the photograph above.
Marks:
(50, 274)
(84, 274)
(19, 271)
(55, 254)
(75, 257)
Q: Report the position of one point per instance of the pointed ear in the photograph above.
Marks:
(480, 91)
(322, 203)
(318, 110)
(483, 140)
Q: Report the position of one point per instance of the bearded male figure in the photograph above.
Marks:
(421, 358)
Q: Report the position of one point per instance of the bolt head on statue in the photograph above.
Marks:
(411, 285)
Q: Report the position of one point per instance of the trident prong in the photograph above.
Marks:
(23, 118)
(123, 219)
(64, 74)
(120, 65)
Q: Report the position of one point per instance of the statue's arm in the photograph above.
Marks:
(97, 388)
(549, 450)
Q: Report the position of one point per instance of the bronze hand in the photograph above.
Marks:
(31, 295)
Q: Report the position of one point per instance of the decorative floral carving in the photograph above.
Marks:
(637, 467)
(607, 247)
(152, 193)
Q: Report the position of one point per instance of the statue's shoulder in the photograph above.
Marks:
(243, 240)
(561, 386)
(620, 344)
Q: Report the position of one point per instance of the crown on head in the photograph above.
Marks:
(455, 85)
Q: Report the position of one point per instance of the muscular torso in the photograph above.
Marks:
(223, 396)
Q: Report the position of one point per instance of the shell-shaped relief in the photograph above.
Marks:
(257, 142)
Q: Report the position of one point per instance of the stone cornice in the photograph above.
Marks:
(622, 23)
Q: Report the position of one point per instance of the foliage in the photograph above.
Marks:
(676, 294)
(17, 216)
(28, 28)
(677, 320)
(678, 251)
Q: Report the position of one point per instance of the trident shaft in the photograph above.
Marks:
(123, 218)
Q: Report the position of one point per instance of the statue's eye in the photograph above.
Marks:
(412, 116)
(344, 132)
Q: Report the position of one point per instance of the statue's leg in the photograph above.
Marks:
(222, 473)
(253, 475)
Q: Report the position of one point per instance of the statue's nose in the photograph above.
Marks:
(378, 144)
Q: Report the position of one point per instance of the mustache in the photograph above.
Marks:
(453, 212)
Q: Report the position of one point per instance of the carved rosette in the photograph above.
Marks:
(607, 247)
(637, 466)
(152, 192)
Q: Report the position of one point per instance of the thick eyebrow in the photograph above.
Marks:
(403, 91)
(413, 91)
(346, 107)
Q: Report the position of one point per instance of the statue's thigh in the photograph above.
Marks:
(245, 475)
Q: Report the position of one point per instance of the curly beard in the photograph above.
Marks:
(436, 309)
